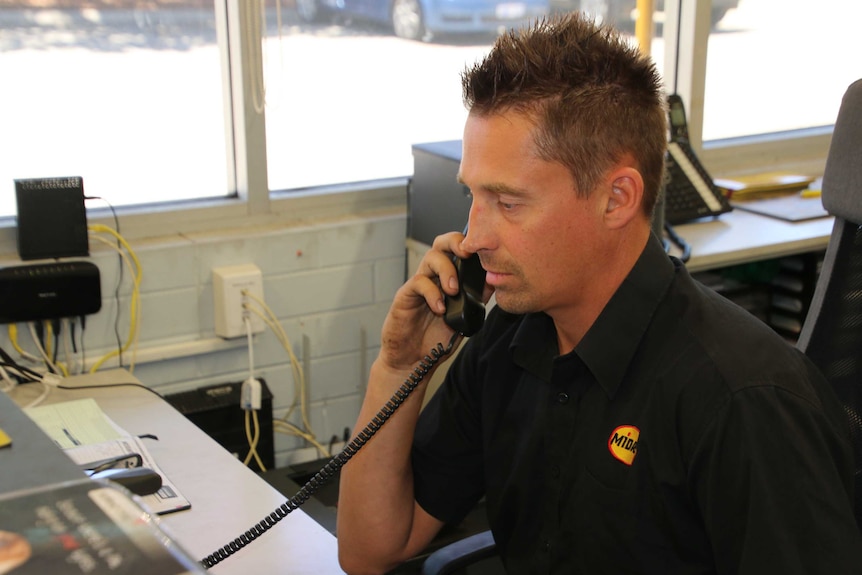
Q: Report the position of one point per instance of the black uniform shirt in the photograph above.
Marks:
(681, 436)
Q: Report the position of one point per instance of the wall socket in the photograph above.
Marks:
(229, 282)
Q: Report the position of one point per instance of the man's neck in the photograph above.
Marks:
(572, 323)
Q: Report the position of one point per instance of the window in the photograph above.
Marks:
(161, 101)
(346, 98)
(351, 110)
(129, 98)
(779, 65)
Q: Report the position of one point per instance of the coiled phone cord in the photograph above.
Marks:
(336, 463)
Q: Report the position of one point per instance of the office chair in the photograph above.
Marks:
(459, 556)
(832, 331)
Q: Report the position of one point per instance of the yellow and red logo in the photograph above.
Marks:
(623, 443)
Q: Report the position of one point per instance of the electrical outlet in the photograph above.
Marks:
(229, 283)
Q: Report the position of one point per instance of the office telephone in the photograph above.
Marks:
(465, 313)
(689, 192)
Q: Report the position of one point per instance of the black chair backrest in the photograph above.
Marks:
(832, 332)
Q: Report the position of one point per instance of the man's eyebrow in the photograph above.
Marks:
(497, 188)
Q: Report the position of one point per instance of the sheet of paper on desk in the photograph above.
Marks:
(86, 434)
(73, 423)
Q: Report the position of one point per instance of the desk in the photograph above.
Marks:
(227, 497)
(739, 237)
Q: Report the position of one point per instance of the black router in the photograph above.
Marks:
(49, 291)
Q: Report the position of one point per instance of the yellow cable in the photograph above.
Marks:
(49, 350)
(307, 433)
(253, 439)
(52, 367)
(279, 334)
(134, 303)
(291, 429)
(271, 320)
(135, 299)
(13, 338)
(135, 294)
(49, 335)
(298, 374)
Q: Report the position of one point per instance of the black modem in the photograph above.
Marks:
(52, 219)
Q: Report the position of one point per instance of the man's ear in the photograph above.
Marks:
(623, 201)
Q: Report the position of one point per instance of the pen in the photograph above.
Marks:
(71, 437)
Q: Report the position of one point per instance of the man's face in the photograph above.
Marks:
(535, 237)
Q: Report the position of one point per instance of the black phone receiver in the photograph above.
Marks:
(465, 311)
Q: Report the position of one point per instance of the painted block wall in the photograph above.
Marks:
(330, 285)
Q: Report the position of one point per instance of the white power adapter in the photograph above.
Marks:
(250, 394)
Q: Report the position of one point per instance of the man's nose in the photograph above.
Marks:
(477, 230)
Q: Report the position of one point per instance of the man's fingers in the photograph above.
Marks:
(438, 263)
(427, 288)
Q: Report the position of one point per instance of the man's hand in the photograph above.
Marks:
(414, 324)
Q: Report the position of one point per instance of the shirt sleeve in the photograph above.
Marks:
(773, 478)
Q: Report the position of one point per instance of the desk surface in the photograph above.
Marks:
(739, 237)
(227, 497)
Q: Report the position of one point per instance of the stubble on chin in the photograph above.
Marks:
(517, 299)
(513, 297)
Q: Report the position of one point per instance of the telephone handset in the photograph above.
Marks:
(465, 311)
(690, 192)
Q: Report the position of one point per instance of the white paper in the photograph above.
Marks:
(86, 434)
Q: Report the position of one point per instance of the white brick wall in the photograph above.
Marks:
(330, 285)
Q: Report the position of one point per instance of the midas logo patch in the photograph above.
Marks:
(623, 443)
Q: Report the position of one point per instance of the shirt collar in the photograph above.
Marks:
(610, 344)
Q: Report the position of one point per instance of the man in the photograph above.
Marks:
(617, 416)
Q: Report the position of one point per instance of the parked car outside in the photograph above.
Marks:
(623, 12)
(421, 19)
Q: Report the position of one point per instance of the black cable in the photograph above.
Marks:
(9, 361)
(55, 324)
(336, 463)
(72, 336)
(39, 332)
(41, 335)
(104, 386)
(679, 242)
(83, 319)
(23, 374)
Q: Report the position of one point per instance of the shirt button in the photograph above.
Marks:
(563, 397)
(555, 471)
(547, 546)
